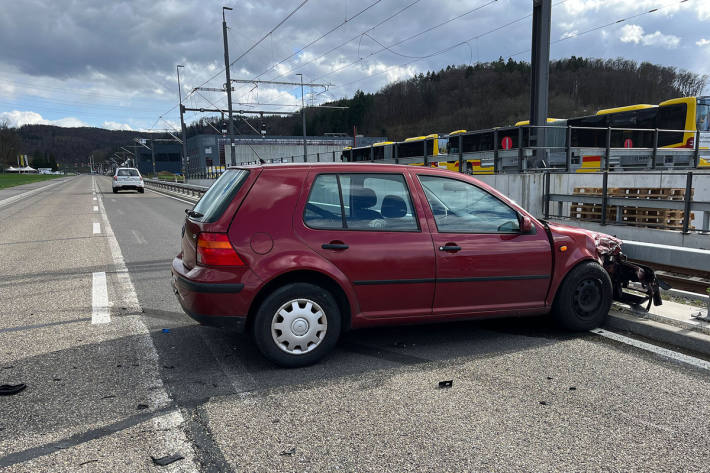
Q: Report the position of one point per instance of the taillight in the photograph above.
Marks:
(115, 178)
(214, 249)
(690, 142)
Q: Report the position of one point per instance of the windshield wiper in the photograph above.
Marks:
(193, 214)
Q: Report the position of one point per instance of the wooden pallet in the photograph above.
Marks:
(671, 219)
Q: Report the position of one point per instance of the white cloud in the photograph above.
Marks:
(635, 34)
(703, 42)
(109, 125)
(18, 118)
(569, 34)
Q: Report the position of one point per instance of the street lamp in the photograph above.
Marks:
(303, 116)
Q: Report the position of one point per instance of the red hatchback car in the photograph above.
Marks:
(298, 253)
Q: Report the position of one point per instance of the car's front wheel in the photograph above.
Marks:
(584, 298)
(297, 324)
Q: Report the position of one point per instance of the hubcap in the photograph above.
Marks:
(299, 326)
(587, 297)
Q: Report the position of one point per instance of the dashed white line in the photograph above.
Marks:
(174, 439)
(100, 312)
(139, 238)
(97, 228)
(664, 352)
(96, 208)
(94, 198)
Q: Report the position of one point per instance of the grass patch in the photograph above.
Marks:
(11, 180)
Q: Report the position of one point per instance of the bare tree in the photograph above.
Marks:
(9, 144)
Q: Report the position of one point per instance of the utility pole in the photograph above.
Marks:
(540, 62)
(303, 118)
(228, 86)
(182, 123)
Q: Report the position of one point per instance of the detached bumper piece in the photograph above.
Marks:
(622, 272)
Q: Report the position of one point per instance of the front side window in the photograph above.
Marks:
(460, 207)
(372, 202)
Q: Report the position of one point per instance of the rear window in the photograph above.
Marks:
(213, 204)
(127, 172)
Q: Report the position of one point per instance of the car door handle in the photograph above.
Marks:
(334, 246)
(450, 247)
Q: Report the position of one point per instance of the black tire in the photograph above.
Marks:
(285, 353)
(584, 298)
(115, 191)
(141, 190)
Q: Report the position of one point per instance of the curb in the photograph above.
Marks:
(682, 337)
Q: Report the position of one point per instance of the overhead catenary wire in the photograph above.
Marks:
(251, 48)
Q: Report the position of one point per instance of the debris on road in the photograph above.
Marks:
(140, 407)
(166, 460)
(446, 384)
(543, 403)
(166, 330)
(288, 452)
(11, 389)
(88, 461)
(572, 388)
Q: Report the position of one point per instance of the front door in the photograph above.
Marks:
(484, 262)
(367, 225)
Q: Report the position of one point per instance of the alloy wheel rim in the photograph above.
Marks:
(299, 326)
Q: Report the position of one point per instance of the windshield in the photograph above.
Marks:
(218, 197)
(703, 117)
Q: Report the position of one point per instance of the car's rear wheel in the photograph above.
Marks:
(584, 298)
(115, 190)
(297, 324)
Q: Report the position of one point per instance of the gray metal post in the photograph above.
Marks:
(230, 122)
(372, 153)
(605, 188)
(333, 155)
(520, 149)
(461, 164)
(546, 197)
(655, 149)
(303, 117)
(395, 153)
(540, 72)
(688, 199)
(568, 159)
(318, 157)
(696, 154)
(496, 164)
(607, 154)
(152, 156)
(182, 121)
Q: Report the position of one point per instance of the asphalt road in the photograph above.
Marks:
(150, 382)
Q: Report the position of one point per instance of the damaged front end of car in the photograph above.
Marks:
(622, 272)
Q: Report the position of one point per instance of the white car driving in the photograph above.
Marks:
(127, 178)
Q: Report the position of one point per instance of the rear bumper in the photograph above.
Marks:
(214, 304)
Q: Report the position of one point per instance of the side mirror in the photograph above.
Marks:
(526, 225)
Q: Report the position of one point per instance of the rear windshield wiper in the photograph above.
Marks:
(193, 214)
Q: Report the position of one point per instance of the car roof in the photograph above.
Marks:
(359, 166)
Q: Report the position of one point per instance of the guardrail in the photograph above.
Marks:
(177, 187)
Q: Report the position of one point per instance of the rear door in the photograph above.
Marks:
(484, 263)
(128, 177)
(368, 226)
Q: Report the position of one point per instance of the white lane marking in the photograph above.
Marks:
(664, 352)
(139, 238)
(191, 202)
(97, 228)
(100, 313)
(169, 424)
(96, 208)
(94, 198)
(17, 197)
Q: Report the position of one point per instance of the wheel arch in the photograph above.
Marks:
(558, 282)
(305, 276)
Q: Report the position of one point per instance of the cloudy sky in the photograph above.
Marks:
(112, 64)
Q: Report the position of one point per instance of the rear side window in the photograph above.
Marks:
(371, 202)
(128, 172)
(213, 204)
